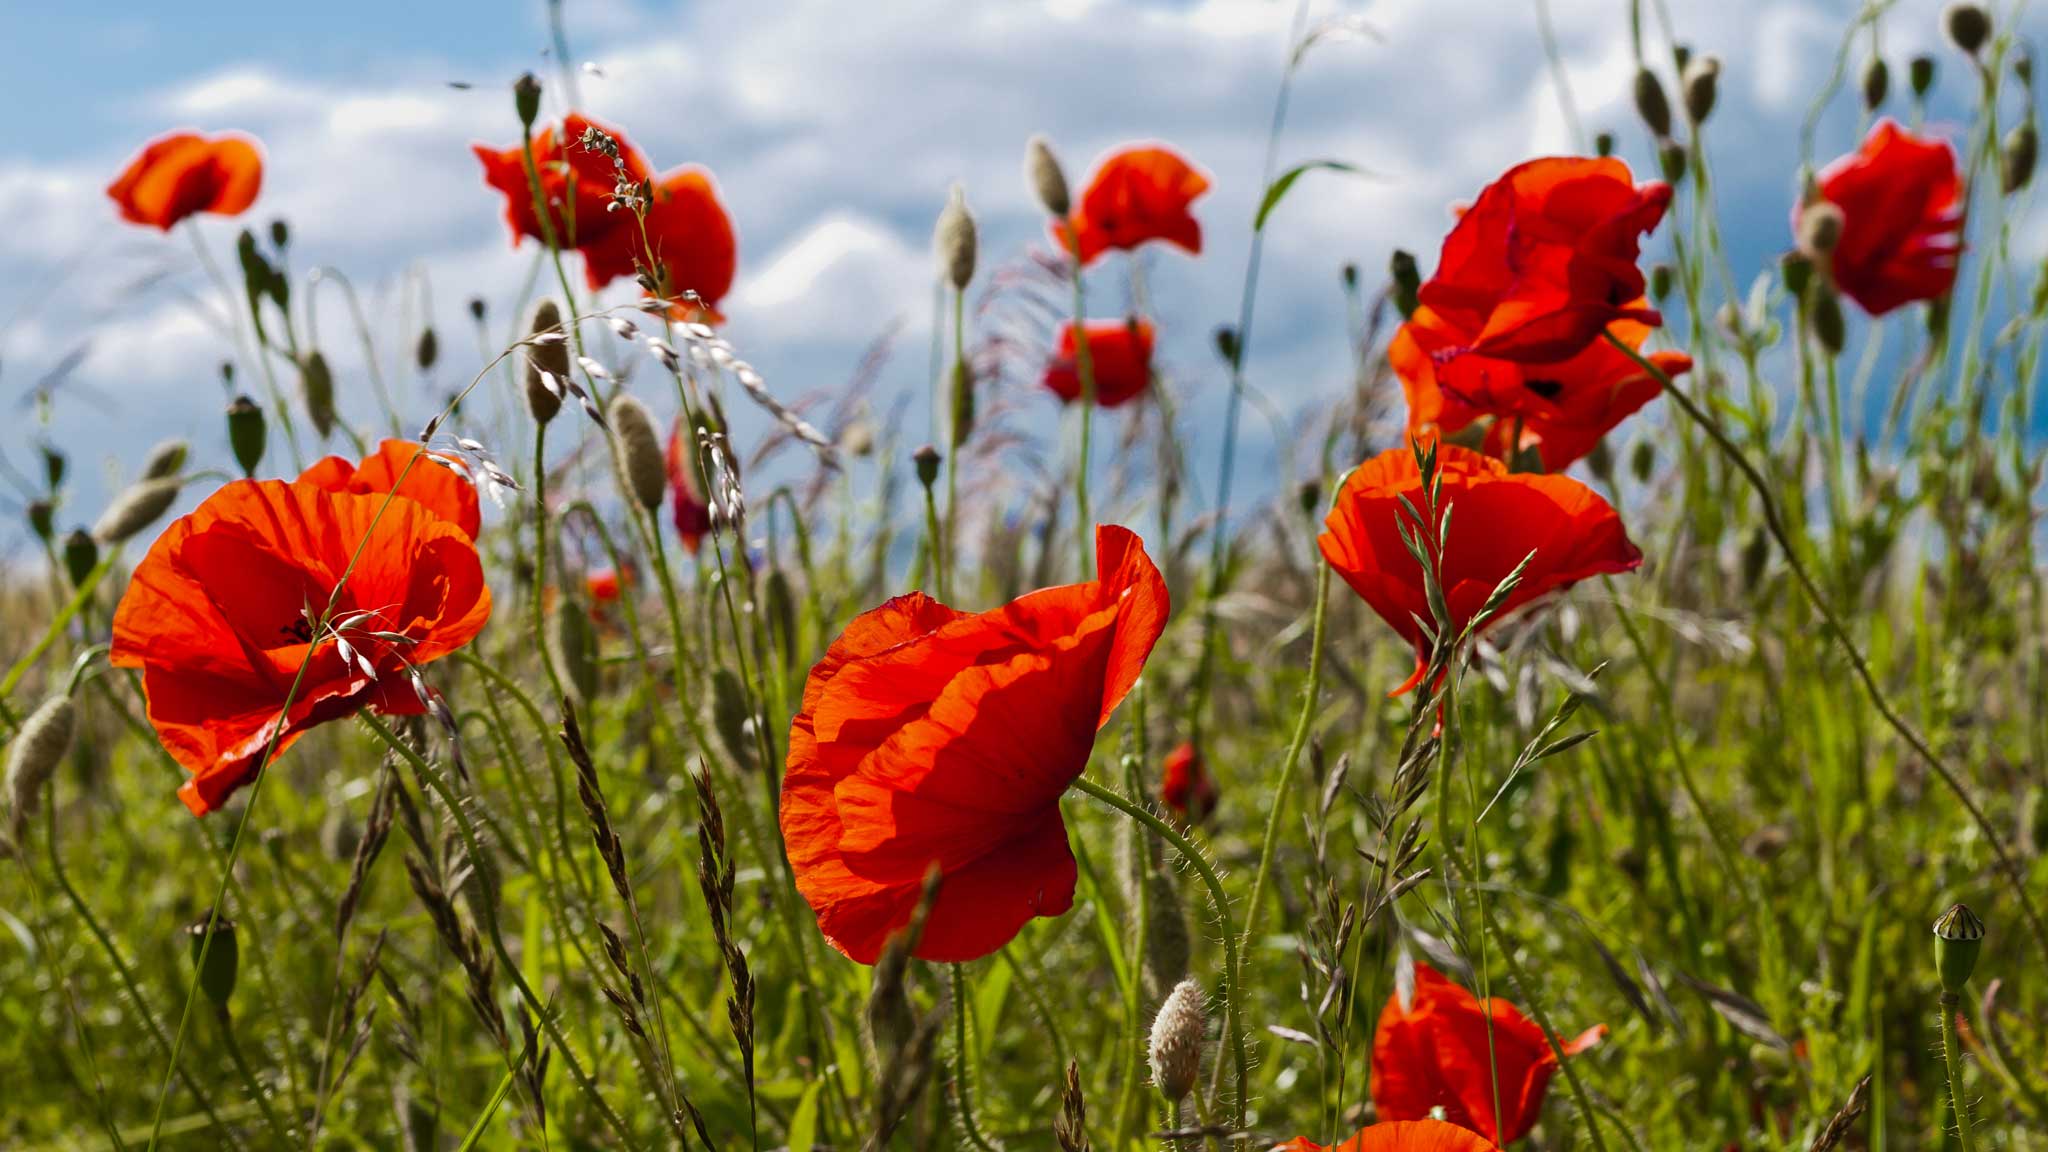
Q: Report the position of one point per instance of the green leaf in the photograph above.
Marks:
(803, 1123)
(1279, 188)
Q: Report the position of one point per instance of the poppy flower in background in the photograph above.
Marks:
(692, 514)
(1136, 194)
(445, 492)
(928, 735)
(577, 182)
(1501, 517)
(1432, 1053)
(603, 585)
(219, 617)
(1400, 1136)
(183, 173)
(1119, 356)
(690, 234)
(1545, 259)
(1902, 218)
(1185, 786)
(1564, 408)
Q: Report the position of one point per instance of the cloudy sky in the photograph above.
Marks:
(834, 131)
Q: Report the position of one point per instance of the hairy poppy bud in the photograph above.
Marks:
(33, 757)
(1820, 229)
(42, 515)
(137, 507)
(1042, 168)
(1226, 343)
(427, 350)
(1830, 328)
(81, 555)
(1682, 53)
(2024, 69)
(963, 402)
(246, 433)
(316, 384)
(1671, 158)
(551, 358)
(1309, 498)
(1603, 144)
(1407, 281)
(953, 240)
(926, 459)
(2016, 158)
(1796, 269)
(1651, 104)
(779, 603)
(1177, 1042)
(526, 98)
(1968, 26)
(1920, 74)
(1701, 85)
(574, 642)
(216, 964)
(731, 717)
(1660, 281)
(257, 274)
(166, 459)
(1877, 82)
(645, 465)
(1958, 937)
(1643, 461)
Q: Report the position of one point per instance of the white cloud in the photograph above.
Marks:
(832, 281)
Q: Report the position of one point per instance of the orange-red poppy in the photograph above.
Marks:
(603, 585)
(1119, 357)
(1399, 1136)
(182, 173)
(575, 181)
(1545, 259)
(1186, 786)
(1500, 518)
(1137, 194)
(220, 617)
(1562, 409)
(1433, 1053)
(690, 235)
(1901, 198)
(690, 511)
(445, 492)
(929, 735)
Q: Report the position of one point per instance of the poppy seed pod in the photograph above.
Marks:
(42, 515)
(137, 507)
(953, 240)
(33, 757)
(216, 964)
(1820, 229)
(246, 433)
(640, 454)
(926, 459)
(81, 555)
(1968, 26)
(166, 459)
(1407, 281)
(1177, 1042)
(526, 98)
(280, 234)
(1958, 938)
(1877, 82)
(427, 350)
(316, 383)
(1651, 104)
(2016, 158)
(1048, 181)
(1920, 74)
(1700, 86)
(1642, 461)
(1226, 343)
(54, 467)
(552, 358)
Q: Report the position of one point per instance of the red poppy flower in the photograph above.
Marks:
(1902, 218)
(1546, 258)
(1501, 517)
(603, 585)
(1563, 408)
(1433, 1053)
(691, 513)
(1400, 1136)
(1119, 355)
(177, 175)
(1136, 194)
(933, 735)
(1186, 787)
(219, 617)
(690, 235)
(445, 492)
(576, 182)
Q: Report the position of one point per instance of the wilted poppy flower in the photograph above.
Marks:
(690, 235)
(1432, 1053)
(692, 514)
(220, 616)
(1119, 356)
(1546, 258)
(577, 182)
(1399, 1136)
(177, 175)
(1902, 217)
(1500, 518)
(1136, 194)
(1186, 787)
(1563, 408)
(445, 492)
(933, 735)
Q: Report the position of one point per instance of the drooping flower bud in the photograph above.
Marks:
(1968, 26)
(574, 641)
(551, 357)
(1700, 86)
(54, 466)
(137, 507)
(1877, 82)
(1651, 104)
(81, 555)
(280, 234)
(246, 433)
(640, 453)
(1048, 181)
(1226, 343)
(1920, 74)
(731, 717)
(217, 964)
(526, 98)
(954, 240)
(477, 309)
(1958, 938)
(1177, 1042)
(1796, 269)
(1407, 280)
(33, 757)
(2016, 157)
(316, 384)
(42, 516)
(166, 459)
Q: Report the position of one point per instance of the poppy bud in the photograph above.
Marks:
(1830, 328)
(427, 350)
(926, 459)
(1603, 144)
(953, 240)
(1729, 317)
(1958, 937)
(166, 459)
(1177, 1042)
(730, 717)
(1796, 270)
(1309, 497)
(33, 757)
(316, 385)
(1700, 85)
(246, 433)
(1407, 281)
(216, 964)
(963, 402)
(857, 439)
(256, 272)
(1682, 53)
(1877, 81)
(2016, 158)
(526, 98)
(1671, 158)
(54, 467)
(227, 374)
(1226, 343)
(1042, 169)
(42, 515)
(1660, 281)
(280, 234)
(1920, 74)
(890, 1019)
(1820, 229)
(552, 358)
(1967, 25)
(81, 555)
(645, 465)
(476, 309)
(574, 642)
(1600, 461)
(2024, 69)
(1643, 461)
(780, 606)
(137, 507)
(1651, 104)
(1350, 274)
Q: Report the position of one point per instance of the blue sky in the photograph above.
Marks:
(834, 131)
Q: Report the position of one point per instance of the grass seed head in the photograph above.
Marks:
(1048, 181)
(32, 759)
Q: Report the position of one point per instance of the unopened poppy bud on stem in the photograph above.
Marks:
(166, 459)
(1958, 938)
(1968, 26)
(1407, 281)
(526, 98)
(543, 400)
(42, 515)
(81, 555)
(1177, 1042)
(1920, 74)
(1651, 104)
(954, 241)
(1877, 82)
(427, 351)
(137, 507)
(1603, 144)
(33, 757)
(1671, 158)
(1820, 229)
(1701, 84)
(1660, 281)
(316, 381)
(640, 451)
(1047, 179)
(217, 964)
(927, 460)
(2016, 157)
(1830, 327)
(246, 433)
